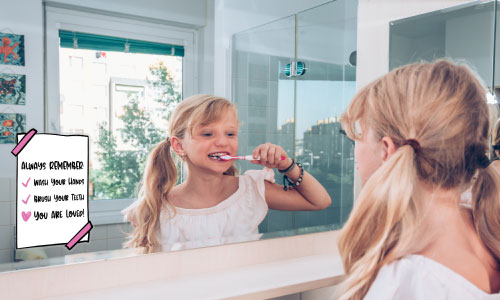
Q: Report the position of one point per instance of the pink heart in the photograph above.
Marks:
(26, 216)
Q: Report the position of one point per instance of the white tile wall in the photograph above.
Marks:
(6, 256)
(97, 245)
(6, 237)
(5, 214)
(116, 243)
(4, 189)
(99, 233)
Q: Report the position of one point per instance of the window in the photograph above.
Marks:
(140, 79)
(116, 82)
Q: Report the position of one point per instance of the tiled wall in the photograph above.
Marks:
(102, 237)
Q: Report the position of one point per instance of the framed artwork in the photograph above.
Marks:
(11, 49)
(10, 125)
(12, 89)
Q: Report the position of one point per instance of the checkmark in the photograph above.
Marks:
(26, 202)
(26, 184)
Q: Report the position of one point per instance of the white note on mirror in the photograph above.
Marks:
(52, 190)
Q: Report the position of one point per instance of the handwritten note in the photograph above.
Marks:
(52, 189)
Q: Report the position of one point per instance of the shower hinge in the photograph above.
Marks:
(295, 68)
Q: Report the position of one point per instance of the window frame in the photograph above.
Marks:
(105, 23)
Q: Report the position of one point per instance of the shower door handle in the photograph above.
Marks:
(295, 68)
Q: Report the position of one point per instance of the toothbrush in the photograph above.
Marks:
(246, 157)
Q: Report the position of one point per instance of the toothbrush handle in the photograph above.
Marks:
(250, 157)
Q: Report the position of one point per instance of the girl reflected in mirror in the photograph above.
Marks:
(213, 205)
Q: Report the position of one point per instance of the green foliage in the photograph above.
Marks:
(163, 83)
(121, 167)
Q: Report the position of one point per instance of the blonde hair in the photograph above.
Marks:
(160, 174)
(442, 106)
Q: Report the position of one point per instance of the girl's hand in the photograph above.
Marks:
(270, 156)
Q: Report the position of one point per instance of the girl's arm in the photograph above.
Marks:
(309, 195)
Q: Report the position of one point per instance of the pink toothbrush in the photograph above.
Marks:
(246, 157)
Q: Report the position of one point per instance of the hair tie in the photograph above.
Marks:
(475, 154)
(496, 147)
(483, 161)
(414, 144)
(168, 140)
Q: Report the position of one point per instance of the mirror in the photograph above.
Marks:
(100, 92)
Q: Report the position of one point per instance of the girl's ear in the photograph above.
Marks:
(176, 144)
(388, 147)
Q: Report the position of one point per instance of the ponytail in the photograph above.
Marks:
(381, 227)
(160, 175)
(486, 208)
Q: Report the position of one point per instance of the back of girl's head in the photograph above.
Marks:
(443, 107)
(160, 174)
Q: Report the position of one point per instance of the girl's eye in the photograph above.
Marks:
(231, 134)
(206, 134)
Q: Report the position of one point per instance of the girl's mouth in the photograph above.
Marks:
(217, 155)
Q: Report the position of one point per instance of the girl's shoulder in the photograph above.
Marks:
(252, 181)
(418, 277)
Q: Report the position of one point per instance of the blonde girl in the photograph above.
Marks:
(213, 205)
(421, 135)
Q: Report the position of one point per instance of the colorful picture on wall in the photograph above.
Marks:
(11, 49)
(12, 89)
(10, 125)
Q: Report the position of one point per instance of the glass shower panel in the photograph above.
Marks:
(462, 33)
(326, 45)
(260, 56)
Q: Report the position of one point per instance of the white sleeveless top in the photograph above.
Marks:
(236, 219)
(416, 277)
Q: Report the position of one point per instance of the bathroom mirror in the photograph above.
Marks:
(464, 33)
(91, 90)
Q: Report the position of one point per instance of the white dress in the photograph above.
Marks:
(416, 277)
(236, 219)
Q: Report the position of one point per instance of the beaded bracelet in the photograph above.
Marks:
(288, 184)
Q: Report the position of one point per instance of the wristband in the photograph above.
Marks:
(290, 167)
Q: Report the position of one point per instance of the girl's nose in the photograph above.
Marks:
(221, 140)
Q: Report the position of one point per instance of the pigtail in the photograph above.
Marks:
(486, 208)
(381, 227)
(160, 175)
